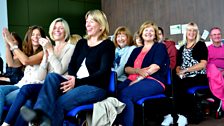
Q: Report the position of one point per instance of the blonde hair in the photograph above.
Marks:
(149, 24)
(194, 26)
(100, 18)
(123, 30)
(74, 38)
(65, 25)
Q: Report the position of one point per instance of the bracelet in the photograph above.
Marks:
(14, 47)
(136, 71)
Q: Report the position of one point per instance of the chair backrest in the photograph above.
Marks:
(169, 77)
(112, 89)
(1, 65)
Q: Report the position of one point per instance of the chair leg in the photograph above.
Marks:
(143, 114)
(219, 111)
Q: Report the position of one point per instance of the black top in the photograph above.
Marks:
(199, 52)
(99, 60)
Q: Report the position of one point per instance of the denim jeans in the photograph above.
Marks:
(7, 96)
(27, 92)
(131, 94)
(54, 103)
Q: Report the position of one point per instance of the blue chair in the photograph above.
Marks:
(74, 113)
(141, 102)
(194, 90)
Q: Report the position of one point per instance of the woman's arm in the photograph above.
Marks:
(10, 60)
(61, 66)
(24, 59)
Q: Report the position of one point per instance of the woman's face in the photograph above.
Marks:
(191, 34)
(161, 37)
(58, 32)
(35, 37)
(93, 28)
(138, 41)
(122, 40)
(148, 34)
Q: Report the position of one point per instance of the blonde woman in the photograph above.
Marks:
(190, 71)
(56, 59)
(87, 79)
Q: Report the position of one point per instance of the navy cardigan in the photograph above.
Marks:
(157, 55)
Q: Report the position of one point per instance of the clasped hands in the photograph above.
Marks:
(143, 73)
(9, 39)
(45, 43)
(181, 73)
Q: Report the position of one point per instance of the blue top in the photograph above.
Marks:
(121, 57)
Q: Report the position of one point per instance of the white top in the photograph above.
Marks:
(30, 74)
(83, 71)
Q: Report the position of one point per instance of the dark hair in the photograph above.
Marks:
(28, 48)
(161, 29)
(214, 28)
(18, 39)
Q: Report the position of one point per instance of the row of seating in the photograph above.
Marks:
(73, 115)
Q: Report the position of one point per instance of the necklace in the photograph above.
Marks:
(191, 45)
(58, 49)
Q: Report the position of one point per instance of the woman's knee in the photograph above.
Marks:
(52, 76)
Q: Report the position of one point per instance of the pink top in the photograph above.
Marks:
(216, 56)
(138, 64)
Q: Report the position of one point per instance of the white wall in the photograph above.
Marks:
(3, 23)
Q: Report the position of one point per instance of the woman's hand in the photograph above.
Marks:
(46, 43)
(68, 85)
(143, 72)
(8, 37)
(181, 72)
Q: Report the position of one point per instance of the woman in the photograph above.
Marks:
(14, 69)
(89, 72)
(137, 40)
(190, 70)
(55, 59)
(123, 44)
(146, 69)
(31, 55)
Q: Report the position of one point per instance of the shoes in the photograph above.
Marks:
(168, 120)
(28, 114)
(34, 118)
(182, 120)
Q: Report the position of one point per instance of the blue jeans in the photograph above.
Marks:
(7, 96)
(52, 102)
(27, 92)
(131, 94)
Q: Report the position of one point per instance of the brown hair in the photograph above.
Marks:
(123, 30)
(149, 24)
(27, 44)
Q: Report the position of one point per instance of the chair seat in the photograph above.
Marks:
(78, 109)
(194, 89)
(139, 102)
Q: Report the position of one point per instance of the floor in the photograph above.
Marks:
(211, 121)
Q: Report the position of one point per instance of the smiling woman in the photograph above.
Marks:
(56, 59)
(123, 43)
(146, 71)
(93, 56)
